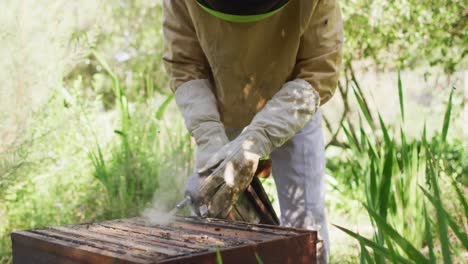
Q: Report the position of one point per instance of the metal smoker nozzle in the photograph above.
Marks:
(203, 210)
(181, 205)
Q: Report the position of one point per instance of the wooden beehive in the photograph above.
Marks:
(184, 240)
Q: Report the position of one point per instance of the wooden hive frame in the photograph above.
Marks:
(185, 240)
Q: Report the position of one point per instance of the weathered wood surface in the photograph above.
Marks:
(185, 240)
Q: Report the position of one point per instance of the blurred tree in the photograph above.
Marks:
(407, 33)
(387, 35)
(130, 41)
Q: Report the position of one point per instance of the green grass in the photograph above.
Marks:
(142, 158)
(398, 174)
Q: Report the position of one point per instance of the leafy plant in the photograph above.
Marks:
(395, 174)
(406, 33)
(137, 162)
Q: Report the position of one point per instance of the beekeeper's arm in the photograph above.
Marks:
(315, 80)
(189, 74)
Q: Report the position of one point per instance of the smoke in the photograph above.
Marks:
(172, 176)
(170, 191)
(162, 211)
(159, 215)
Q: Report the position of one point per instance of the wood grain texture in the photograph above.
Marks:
(185, 240)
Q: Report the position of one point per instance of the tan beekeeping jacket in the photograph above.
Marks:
(247, 63)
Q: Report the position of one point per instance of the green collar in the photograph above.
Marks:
(238, 18)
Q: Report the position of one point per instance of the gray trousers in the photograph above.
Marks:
(299, 174)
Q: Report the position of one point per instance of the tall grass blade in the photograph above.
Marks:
(363, 135)
(424, 134)
(405, 160)
(103, 63)
(372, 153)
(365, 256)
(461, 196)
(458, 231)
(404, 244)
(118, 91)
(364, 109)
(374, 246)
(385, 185)
(448, 114)
(100, 169)
(162, 108)
(441, 217)
(400, 95)
(352, 142)
(372, 188)
(386, 135)
(99, 166)
(428, 236)
(259, 260)
(149, 85)
(218, 256)
(359, 90)
(354, 134)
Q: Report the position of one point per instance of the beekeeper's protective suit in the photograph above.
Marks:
(249, 77)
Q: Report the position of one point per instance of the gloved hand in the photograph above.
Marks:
(198, 106)
(214, 190)
(219, 183)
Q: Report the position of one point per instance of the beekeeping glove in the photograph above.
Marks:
(213, 193)
(198, 106)
(231, 169)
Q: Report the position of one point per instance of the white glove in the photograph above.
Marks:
(198, 106)
(214, 195)
(231, 169)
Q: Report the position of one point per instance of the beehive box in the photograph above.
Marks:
(184, 240)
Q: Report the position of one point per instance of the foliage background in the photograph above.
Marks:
(88, 130)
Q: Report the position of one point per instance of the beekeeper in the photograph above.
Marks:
(249, 78)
